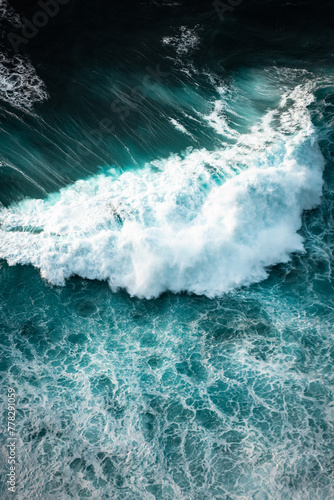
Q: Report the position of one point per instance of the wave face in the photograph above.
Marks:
(204, 222)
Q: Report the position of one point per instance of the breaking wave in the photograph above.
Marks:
(204, 222)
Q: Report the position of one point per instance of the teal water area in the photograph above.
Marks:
(166, 288)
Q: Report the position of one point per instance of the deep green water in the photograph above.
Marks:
(166, 288)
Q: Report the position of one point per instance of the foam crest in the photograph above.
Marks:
(204, 222)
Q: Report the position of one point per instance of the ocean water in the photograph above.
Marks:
(166, 245)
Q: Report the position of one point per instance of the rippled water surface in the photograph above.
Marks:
(166, 236)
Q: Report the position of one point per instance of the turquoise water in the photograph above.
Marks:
(166, 275)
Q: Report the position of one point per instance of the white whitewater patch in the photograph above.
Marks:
(20, 85)
(216, 119)
(185, 40)
(205, 222)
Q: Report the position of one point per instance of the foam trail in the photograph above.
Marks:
(178, 126)
(205, 222)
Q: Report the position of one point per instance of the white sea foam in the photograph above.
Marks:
(19, 83)
(185, 40)
(205, 222)
(178, 126)
(218, 122)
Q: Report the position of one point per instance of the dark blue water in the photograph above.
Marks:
(166, 236)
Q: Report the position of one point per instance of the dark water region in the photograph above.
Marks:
(166, 236)
(72, 135)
